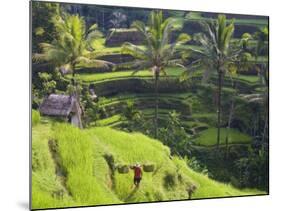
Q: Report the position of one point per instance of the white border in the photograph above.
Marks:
(14, 106)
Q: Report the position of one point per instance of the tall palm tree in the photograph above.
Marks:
(262, 38)
(72, 45)
(215, 55)
(241, 63)
(159, 51)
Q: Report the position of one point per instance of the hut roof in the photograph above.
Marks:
(57, 105)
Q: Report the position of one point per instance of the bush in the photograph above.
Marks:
(35, 117)
(170, 179)
(197, 166)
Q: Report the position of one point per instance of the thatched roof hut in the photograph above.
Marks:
(62, 106)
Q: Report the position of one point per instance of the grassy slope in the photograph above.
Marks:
(88, 180)
(44, 180)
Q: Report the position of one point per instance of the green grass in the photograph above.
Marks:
(147, 98)
(76, 152)
(35, 117)
(257, 22)
(147, 74)
(248, 78)
(253, 21)
(207, 188)
(91, 77)
(124, 97)
(99, 46)
(110, 120)
(88, 177)
(209, 137)
(44, 180)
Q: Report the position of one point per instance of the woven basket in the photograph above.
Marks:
(123, 169)
(148, 167)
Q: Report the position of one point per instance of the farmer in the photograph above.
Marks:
(137, 174)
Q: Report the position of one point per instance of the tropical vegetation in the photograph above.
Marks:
(185, 93)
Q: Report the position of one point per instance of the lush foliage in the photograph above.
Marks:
(175, 136)
(72, 45)
(42, 26)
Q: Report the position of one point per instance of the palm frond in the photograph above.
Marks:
(135, 51)
(94, 35)
(183, 38)
(94, 62)
(93, 27)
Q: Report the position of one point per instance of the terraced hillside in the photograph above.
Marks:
(72, 167)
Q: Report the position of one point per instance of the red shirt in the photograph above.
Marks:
(137, 172)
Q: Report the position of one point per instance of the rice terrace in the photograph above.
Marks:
(137, 105)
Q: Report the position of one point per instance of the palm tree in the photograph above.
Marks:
(262, 38)
(72, 45)
(215, 55)
(118, 20)
(241, 63)
(159, 51)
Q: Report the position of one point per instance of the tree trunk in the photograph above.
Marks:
(219, 108)
(156, 104)
(103, 20)
(73, 72)
(228, 126)
(265, 127)
(231, 112)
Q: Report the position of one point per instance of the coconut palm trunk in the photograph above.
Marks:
(73, 66)
(219, 108)
(265, 128)
(73, 70)
(160, 51)
(215, 55)
(228, 127)
(156, 80)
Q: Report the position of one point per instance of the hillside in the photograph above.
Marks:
(72, 167)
